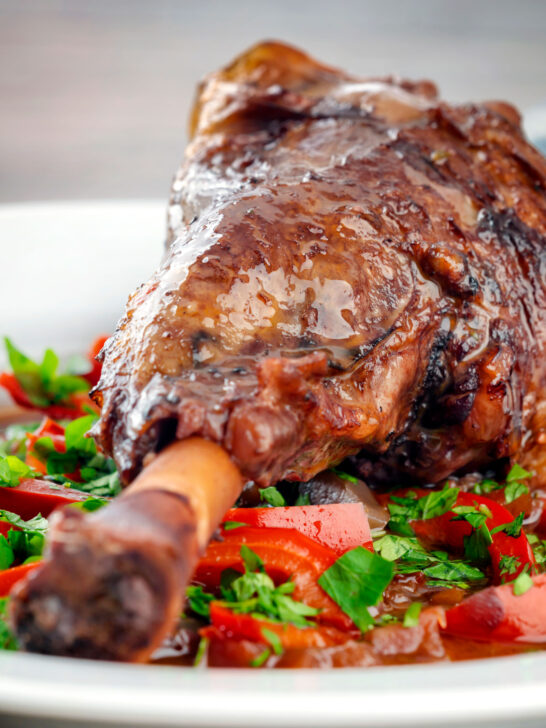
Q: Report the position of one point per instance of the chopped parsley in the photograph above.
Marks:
(253, 593)
(344, 476)
(512, 528)
(273, 639)
(514, 487)
(261, 659)
(410, 507)
(522, 584)
(98, 473)
(411, 616)
(357, 581)
(303, 500)
(272, 496)
(42, 383)
(13, 439)
(7, 639)
(13, 470)
(539, 550)
(508, 565)
(25, 544)
(201, 651)
(232, 525)
(410, 557)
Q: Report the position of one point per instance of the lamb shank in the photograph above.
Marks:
(353, 269)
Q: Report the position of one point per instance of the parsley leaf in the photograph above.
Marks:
(254, 593)
(514, 490)
(29, 541)
(232, 525)
(357, 581)
(13, 470)
(512, 528)
(261, 659)
(7, 557)
(410, 557)
(539, 549)
(410, 507)
(7, 639)
(411, 616)
(199, 601)
(273, 639)
(345, 476)
(41, 382)
(508, 565)
(517, 473)
(201, 651)
(486, 486)
(476, 545)
(522, 584)
(13, 439)
(303, 500)
(438, 502)
(272, 496)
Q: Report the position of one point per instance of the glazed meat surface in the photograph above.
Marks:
(353, 267)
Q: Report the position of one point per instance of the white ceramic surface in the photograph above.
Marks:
(67, 269)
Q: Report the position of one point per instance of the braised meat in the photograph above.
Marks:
(352, 267)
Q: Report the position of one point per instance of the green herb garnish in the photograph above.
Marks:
(522, 584)
(411, 616)
(272, 496)
(357, 581)
(42, 383)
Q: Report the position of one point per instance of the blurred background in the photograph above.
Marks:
(95, 94)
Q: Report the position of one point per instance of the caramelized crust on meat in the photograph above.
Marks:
(353, 267)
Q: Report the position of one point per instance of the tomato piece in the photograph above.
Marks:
(444, 531)
(32, 497)
(496, 614)
(339, 526)
(11, 576)
(286, 554)
(229, 625)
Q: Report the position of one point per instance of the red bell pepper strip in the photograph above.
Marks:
(444, 531)
(48, 428)
(496, 614)
(228, 625)
(340, 526)
(74, 406)
(93, 376)
(286, 554)
(11, 576)
(32, 497)
(5, 527)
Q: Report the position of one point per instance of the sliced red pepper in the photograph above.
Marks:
(286, 554)
(229, 625)
(5, 527)
(11, 576)
(444, 531)
(496, 614)
(340, 526)
(48, 428)
(96, 367)
(75, 407)
(32, 497)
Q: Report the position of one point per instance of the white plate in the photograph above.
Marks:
(67, 269)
